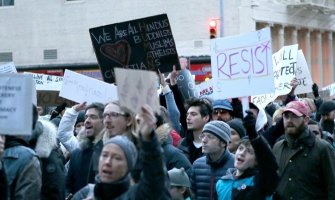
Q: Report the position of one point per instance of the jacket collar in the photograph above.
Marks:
(220, 162)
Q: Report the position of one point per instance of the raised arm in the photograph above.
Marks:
(66, 127)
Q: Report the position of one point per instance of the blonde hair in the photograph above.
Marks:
(129, 115)
(277, 115)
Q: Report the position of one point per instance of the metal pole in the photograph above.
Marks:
(221, 18)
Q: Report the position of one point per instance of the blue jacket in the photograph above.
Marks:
(254, 183)
(206, 173)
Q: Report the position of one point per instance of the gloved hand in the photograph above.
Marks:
(315, 89)
(237, 108)
(249, 123)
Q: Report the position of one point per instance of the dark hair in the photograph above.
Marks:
(98, 106)
(204, 105)
(35, 116)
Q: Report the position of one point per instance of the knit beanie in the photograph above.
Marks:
(80, 117)
(326, 107)
(237, 125)
(128, 148)
(218, 128)
(178, 177)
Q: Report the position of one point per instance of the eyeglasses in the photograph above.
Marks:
(209, 136)
(221, 111)
(113, 115)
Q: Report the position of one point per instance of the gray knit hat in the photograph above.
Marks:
(218, 128)
(178, 177)
(128, 148)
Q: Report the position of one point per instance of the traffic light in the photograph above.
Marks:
(212, 29)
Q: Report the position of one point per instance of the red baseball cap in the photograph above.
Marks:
(297, 107)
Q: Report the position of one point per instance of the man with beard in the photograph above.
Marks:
(84, 160)
(327, 111)
(306, 162)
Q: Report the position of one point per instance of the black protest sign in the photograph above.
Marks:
(143, 44)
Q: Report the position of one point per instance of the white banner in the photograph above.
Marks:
(205, 89)
(284, 66)
(136, 88)
(80, 88)
(16, 104)
(242, 65)
(8, 68)
(47, 82)
(303, 75)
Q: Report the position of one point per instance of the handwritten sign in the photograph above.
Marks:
(302, 74)
(241, 62)
(331, 89)
(264, 99)
(8, 68)
(143, 44)
(47, 82)
(136, 88)
(80, 88)
(15, 104)
(205, 89)
(284, 64)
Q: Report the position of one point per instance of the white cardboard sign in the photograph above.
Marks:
(205, 89)
(8, 68)
(303, 75)
(15, 104)
(80, 88)
(242, 65)
(47, 82)
(331, 89)
(263, 99)
(284, 65)
(136, 88)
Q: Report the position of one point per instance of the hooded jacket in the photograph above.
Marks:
(173, 157)
(52, 161)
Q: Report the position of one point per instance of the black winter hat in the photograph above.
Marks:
(237, 125)
(326, 107)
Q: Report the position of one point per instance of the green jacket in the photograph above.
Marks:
(307, 170)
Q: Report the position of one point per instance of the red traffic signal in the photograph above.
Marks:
(212, 29)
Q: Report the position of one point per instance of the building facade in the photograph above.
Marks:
(39, 34)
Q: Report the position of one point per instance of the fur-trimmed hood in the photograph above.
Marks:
(47, 140)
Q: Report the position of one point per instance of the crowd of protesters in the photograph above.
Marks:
(193, 149)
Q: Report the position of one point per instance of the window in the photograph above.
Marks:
(6, 56)
(50, 54)
(6, 2)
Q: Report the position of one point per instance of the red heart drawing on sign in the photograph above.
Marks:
(118, 51)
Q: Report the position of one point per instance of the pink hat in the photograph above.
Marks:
(297, 107)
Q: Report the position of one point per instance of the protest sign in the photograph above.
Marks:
(136, 88)
(302, 74)
(47, 82)
(185, 81)
(205, 89)
(331, 89)
(263, 100)
(242, 65)
(186, 84)
(144, 44)
(15, 104)
(8, 68)
(284, 66)
(80, 88)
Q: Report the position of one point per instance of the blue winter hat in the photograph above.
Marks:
(222, 104)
